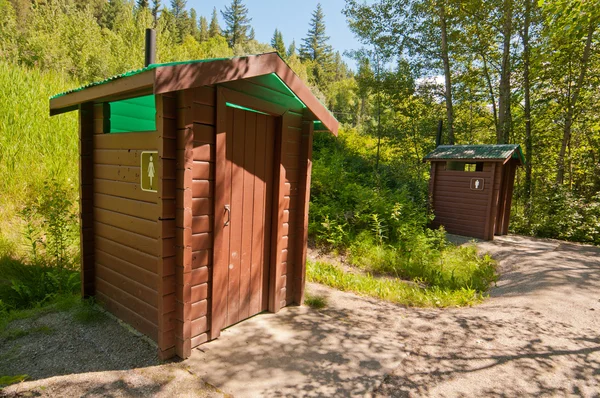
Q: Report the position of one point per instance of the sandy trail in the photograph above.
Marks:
(538, 335)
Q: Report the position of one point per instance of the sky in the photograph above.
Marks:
(291, 17)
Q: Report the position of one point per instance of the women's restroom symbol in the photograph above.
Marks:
(151, 170)
(148, 170)
(476, 184)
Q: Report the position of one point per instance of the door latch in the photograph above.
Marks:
(228, 210)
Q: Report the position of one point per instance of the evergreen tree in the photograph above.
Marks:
(252, 35)
(314, 46)
(214, 30)
(155, 8)
(278, 44)
(112, 10)
(291, 49)
(203, 33)
(182, 21)
(237, 23)
(178, 7)
(317, 51)
(142, 4)
(194, 29)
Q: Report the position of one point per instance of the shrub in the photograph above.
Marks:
(381, 220)
(28, 285)
(50, 224)
(561, 214)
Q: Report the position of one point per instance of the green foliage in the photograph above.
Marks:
(237, 23)
(316, 51)
(382, 224)
(203, 33)
(25, 285)
(278, 44)
(214, 30)
(315, 301)
(558, 213)
(14, 334)
(346, 196)
(51, 221)
(88, 312)
(394, 290)
(8, 380)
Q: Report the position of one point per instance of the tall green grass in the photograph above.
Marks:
(34, 148)
(391, 289)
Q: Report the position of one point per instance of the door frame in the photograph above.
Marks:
(220, 256)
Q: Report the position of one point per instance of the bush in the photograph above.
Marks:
(381, 220)
(561, 214)
(29, 285)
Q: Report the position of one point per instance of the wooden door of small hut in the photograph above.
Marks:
(247, 192)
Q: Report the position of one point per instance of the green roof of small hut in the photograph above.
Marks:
(477, 152)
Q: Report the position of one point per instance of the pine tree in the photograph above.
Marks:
(178, 7)
(214, 29)
(252, 35)
(237, 23)
(278, 44)
(155, 8)
(314, 46)
(315, 49)
(203, 34)
(141, 4)
(291, 49)
(182, 21)
(193, 22)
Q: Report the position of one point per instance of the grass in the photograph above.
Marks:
(87, 311)
(33, 146)
(315, 301)
(15, 334)
(8, 380)
(391, 289)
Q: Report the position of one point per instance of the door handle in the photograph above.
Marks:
(228, 210)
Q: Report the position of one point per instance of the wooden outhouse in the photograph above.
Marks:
(195, 180)
(471, 187)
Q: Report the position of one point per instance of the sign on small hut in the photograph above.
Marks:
(195, 183)
(471, 187)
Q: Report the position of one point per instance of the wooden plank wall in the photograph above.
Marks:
(86, 197)
(167, 143)
(195, 168)
(305, 167)
(126, 229)
(459, 209)
(291, 139)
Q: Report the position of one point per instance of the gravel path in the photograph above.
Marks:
(538, 335)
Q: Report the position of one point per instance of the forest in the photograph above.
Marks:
(495, 71)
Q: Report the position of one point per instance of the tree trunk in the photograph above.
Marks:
(527, 110)
(572, 102)
(504, 117)
(488, 80)
(447, 76)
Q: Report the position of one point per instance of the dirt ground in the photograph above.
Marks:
(538, 335)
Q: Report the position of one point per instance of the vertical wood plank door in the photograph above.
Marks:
(248, 198)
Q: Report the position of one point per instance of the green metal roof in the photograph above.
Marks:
(137, 72)
(476, 152)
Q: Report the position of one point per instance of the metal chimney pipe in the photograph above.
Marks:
(150, 54)
(438, 137)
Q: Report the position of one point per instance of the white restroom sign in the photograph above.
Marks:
(148, 172)
(477, 184)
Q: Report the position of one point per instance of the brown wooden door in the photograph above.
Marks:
(248, 197)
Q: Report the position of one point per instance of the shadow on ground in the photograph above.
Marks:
(536, 336)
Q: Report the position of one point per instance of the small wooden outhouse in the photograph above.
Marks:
(471, 188)
(194, 192)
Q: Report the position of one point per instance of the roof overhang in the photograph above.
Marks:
(181, 76)
(456, 153)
